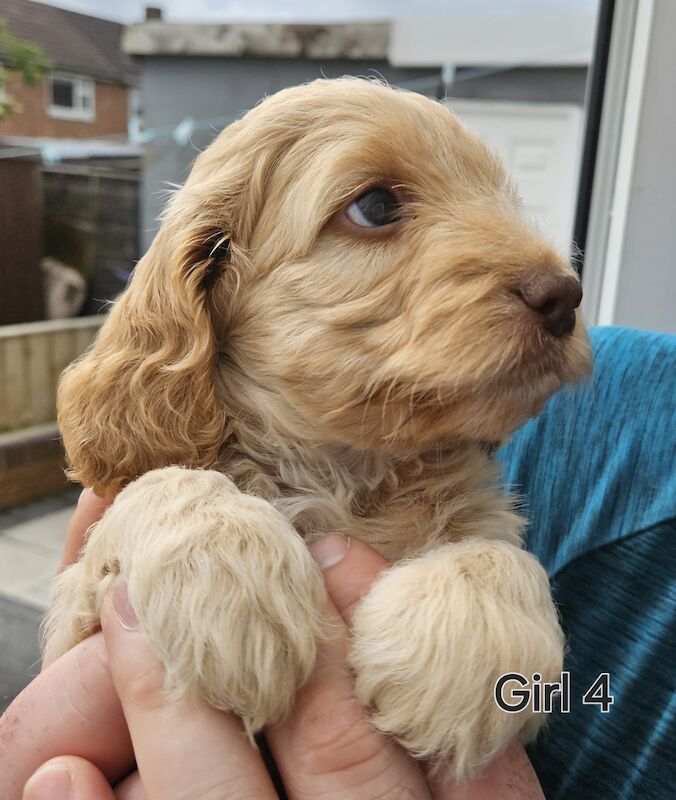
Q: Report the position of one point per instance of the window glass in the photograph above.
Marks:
(63, 93)
(71, 97)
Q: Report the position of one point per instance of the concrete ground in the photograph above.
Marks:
(31, 545)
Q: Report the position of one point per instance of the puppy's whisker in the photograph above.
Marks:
(371, 393)
(392, 386)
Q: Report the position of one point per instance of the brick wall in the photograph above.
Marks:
(111, 105)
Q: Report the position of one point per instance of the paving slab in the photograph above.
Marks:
(31, 544)
(25, 568)
(19, 648)
(30, 553)
(46, 533)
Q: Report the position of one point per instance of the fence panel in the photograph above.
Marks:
(32, 356)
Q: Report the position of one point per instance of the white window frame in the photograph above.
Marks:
(616, 178)
(81, 87)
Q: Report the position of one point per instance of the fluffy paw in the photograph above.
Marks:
(433, 636)
(222, 585)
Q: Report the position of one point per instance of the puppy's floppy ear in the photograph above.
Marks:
(144, 395)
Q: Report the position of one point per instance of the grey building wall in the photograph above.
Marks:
(527, 85)
(175, 87)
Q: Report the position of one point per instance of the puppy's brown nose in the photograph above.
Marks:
(553, 296)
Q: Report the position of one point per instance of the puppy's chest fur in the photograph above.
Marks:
(401, 507)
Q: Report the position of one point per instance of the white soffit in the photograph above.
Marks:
(532, 39)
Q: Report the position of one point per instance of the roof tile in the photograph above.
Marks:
(73, 42)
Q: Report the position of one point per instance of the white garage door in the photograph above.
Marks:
(540, 144)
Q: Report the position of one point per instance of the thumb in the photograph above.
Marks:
(68, 777)
(350, 567)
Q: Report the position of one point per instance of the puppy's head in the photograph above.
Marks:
(345, 264)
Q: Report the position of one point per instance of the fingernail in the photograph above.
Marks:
(330, 550)
(50, 782)
(123, 608)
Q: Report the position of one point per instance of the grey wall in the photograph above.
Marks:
(174, 88)
(544, 84)
(646, 295)
(177, 87)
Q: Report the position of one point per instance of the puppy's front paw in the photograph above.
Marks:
(223, 587)
(433, 636)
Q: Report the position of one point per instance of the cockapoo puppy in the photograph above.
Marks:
(344, 311)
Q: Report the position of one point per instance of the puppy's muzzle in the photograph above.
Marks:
(553, 297)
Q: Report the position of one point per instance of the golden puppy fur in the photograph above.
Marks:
(344, 379)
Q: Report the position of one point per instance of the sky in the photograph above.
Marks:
(311, 10)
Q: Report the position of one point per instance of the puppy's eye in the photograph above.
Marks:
(373, 209)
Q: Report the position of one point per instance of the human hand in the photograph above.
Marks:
(89, 509)
(185, 749)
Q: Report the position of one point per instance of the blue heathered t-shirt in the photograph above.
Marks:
(597, 475)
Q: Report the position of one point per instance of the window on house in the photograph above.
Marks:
(71, 97)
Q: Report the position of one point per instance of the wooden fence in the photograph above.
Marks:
(20, 241)
(32, 356)
(91, 223)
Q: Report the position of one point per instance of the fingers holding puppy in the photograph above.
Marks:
(328, 743)
(90, 508)
(327, 746)
(333, 747)
(183, 747)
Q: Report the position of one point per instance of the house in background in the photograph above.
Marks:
(88, 91)
(69, 178)
(523, 92)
